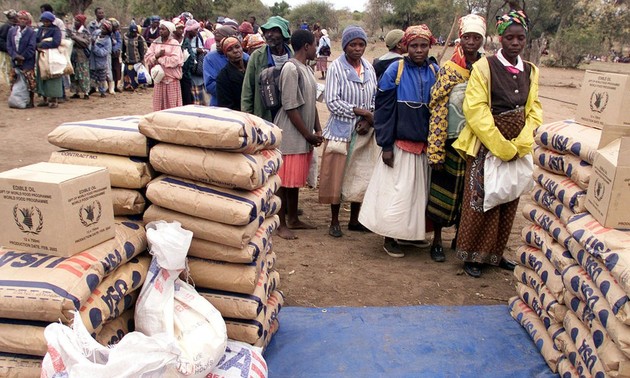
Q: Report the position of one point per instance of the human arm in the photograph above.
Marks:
(142, 47)
(335, 83)
(210, 74)
(524, 142)
(249, 83)
(225, 92)
(172, 55)
(102, 47)
(386, 101)
(44, 43)
(438, 121)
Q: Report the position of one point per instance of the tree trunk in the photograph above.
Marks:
(79, 6)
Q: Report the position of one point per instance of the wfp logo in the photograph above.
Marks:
(28, 219)
(90, 214)
(599, 190)
(599, 100)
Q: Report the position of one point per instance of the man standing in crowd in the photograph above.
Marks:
(275, 54)
(252, 20)
(396, 49)
(133, 51)
(95, 25)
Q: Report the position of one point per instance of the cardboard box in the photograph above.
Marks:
(609, 188)
(604, 99)
(57, 209)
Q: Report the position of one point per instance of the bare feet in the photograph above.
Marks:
(285, 233)
(299, 225)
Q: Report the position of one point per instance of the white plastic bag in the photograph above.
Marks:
(142, 75)
(157, 73)
(19, 97)
(505, 181)
(169, 305)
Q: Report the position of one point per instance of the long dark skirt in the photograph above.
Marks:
(187, 95)
(447, 189)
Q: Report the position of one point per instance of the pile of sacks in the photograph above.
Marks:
(573, 275)
(219, 178)
(102, 283)
(114, 143)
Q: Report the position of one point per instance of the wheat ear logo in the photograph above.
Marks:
(599, 100)
(28, 219)
(599, 190)
(90, 214)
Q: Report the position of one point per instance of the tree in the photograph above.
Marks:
(281, 9)
(315, 11)
(242, 10)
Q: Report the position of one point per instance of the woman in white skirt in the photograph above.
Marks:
(395, 201)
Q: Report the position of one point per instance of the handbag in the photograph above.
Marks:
(157, 73)
(197, 69)
(505, 181)
(337, 147)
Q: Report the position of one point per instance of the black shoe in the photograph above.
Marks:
(507, 264)
(437, 253)
(103, 95)
(75, 96)
(335, 231)
(357, 227)
(472, 269)
(392, 248)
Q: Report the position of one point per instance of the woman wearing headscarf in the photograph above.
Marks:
(447, 121)
(5, 59)
(80, 58)
(245, 28)
(230, 78)
(49, 37)
(198, 53)
(185, 82)
(254, 42)
(396, 197)
(100, 57)
(116, 68)
(350, 89)
(152, 32)
(133, 51)
(502, 112)
(166, 52)
(21, 46)
(323, 52)
(214, 62)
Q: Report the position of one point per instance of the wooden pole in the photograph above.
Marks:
(450, 34)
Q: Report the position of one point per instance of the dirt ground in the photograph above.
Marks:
(318, 270)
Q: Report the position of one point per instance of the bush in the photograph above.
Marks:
(572, 44)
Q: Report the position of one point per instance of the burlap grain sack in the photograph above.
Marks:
(274, 323)
(569, 165)
(611, 246)
(547, 300)
(255, 331)
(124, 172)
(533, 280)
(244, 306)
(116, 329)
(548, 221)
(535, 259)
(614, 361)
(211, 202)
(549, 202)
(220, 252)
(211, 127)
(112, 296)
(580, 285)
(20, 366)
(536, 330)
(565, 344)
(23, 337)
(127, 202)
(233, 236)
(218, 275)
(566, 369)
(563, 188)
(537, 237)
(35, 286)
(116, 136)
(529, 297)
(221, 168)
(569, 137)
(614, 293)
(581, 336)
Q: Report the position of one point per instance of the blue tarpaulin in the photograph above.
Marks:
(418, 341)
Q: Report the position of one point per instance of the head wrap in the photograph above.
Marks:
(169, 25)
(107, 25)
(178, 23)
(24, 13)
(246, 28)
(115, 23)
(472, 23)
(325, 32)
(11, 13)
(254, 41)
(512, 17)
(393, 38)
(80, 18)
(230, 22)
(133, 27)
(47, 16)
(186, 16)
(155, 19)
(192, 25)
(225, 31)
(350, 33)
(418, 31)
(277, 22)
(228, 42)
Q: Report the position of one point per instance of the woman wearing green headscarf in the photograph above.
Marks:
(502, 111)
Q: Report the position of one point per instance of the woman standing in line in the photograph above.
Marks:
(447, 121)
(323, 52)
(502, 112)
(101, 56)
(49, 37)
(166, 52)
(350, 89)
(396, 197)
(21, 45)
(230, 78)
(81, 52)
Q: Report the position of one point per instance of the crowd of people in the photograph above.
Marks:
(406, 139)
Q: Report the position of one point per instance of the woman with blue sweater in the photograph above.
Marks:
(396, 197)
(21, 45)
(100, 57)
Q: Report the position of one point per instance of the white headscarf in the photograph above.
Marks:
(169, 25)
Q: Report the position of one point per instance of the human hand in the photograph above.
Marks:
(362, 127)
(314, 139)
(388, 158)
(160, 54)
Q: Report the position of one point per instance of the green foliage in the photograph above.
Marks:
(281, 9)
(573, 43)
(242, 10)
(315, 11)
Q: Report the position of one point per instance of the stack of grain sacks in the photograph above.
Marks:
(114, 143)
(36, 289)
(219, 182)
(573, 281)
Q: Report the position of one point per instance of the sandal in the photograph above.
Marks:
(335, 231)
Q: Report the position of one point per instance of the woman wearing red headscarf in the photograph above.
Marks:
(230, 78)
(80, 57)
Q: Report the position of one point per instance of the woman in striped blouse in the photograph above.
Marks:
(350, 90)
